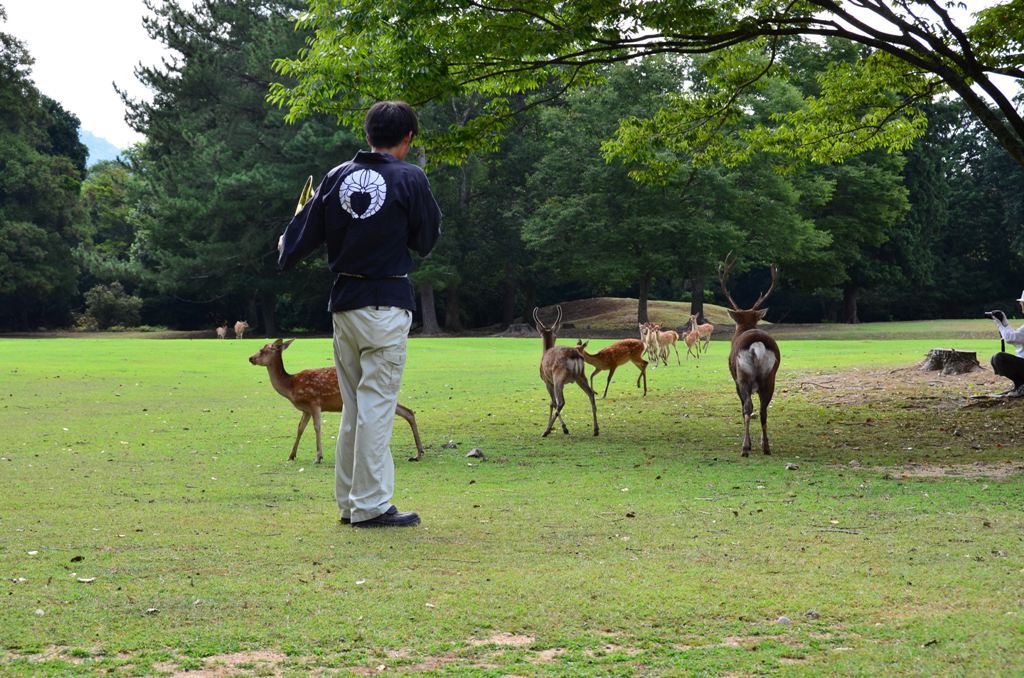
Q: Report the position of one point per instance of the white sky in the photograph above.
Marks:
(81, 48)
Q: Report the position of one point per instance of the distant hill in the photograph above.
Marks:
(99, 149)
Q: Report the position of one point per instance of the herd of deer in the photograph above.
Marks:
(240, 327)
(753, 359)
(753, 362)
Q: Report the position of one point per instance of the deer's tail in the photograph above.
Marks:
(575, 365)
(755, 361)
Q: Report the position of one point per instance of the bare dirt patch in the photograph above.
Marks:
(503, 638)
(907, 386)
(978, 469)
(548, 656)
(260, 662)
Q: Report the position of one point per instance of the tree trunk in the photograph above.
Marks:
(641, 302)
(508, 305)
(268, 306)
(430, 326)
(252, 316)
(850, 305)
(452, 322)
(529, 299)
(697, 305)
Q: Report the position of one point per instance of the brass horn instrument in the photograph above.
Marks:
(307, 193)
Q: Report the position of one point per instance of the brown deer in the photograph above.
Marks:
(560, 365)
(312, 392)
(650, 340)
(665, 339)
(692, 338)
(240, 327)
(611, 357)
(754, 358)
(705, 330)
(222, 331)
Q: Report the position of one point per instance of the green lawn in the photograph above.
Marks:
(159, 469)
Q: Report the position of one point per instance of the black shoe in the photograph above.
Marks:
(345, 521)
(392, 518)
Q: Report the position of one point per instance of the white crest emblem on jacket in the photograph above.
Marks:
(368, 188)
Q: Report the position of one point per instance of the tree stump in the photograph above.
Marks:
(951, 361)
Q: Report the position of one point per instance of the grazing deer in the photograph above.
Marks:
(560, 365)
(312, 392)
(705, 330)
(222, 332)
(754, 358)
(610, 357)
(240, 327)
(692, 337)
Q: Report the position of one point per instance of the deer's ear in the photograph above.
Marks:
(732, 314)
(761, 312)
(277, 342)
(286, 344)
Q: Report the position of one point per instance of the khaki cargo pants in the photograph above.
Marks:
(369, 353)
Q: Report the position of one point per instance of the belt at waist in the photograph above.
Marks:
(368, 277)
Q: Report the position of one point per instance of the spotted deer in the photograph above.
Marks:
(611, 357)
(754, 358)
(312, 392)
(560, 365)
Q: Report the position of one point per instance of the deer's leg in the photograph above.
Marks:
(551, 409)
(560, 403)
(592, 375)
(608, 383)
(678, 362)
(410, 416)
(593, 402)
(764, 423)
(642, 366)
(316, 427)
(748, 409)
(298, 435)
(560, 390)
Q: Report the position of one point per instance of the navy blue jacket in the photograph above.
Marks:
(370, 211)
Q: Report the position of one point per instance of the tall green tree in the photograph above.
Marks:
(222, 167)
(364, 49)
(595, 224)
(41, 168)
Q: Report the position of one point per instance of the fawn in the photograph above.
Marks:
(312, 392)
(705, 330)
(610, 357)
(692, 337)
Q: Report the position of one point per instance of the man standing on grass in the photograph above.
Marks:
(370, 211)
(1006, 364)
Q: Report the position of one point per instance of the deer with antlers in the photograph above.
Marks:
(312, 392)
(611, 357)
(560, 365)
(754, 358)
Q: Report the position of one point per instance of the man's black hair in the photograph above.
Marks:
(387, 123)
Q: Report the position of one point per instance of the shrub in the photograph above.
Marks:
(110, 305)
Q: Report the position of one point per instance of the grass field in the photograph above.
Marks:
(156, 471)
